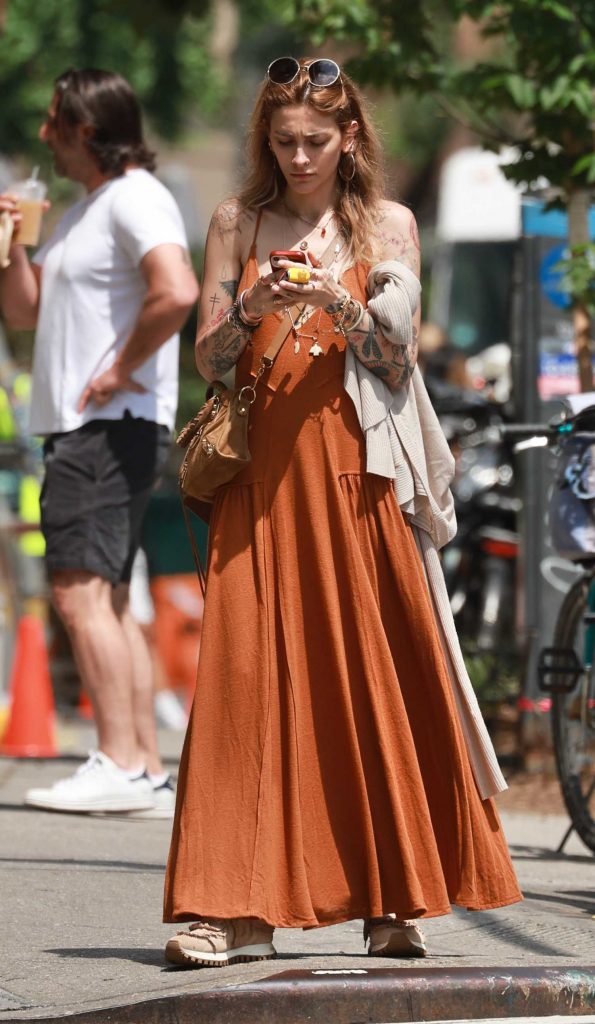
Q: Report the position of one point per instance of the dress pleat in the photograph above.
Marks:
(324, 775)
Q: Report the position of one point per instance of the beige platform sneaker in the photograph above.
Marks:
(389, 937)
(216, 943)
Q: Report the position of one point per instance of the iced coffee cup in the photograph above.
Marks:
(30, 195)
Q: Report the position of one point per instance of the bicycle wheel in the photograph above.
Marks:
(573, 712)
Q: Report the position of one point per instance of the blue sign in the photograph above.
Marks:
(551, 278)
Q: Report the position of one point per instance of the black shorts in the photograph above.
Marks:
(98, 481)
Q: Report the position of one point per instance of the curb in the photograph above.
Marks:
(377, 995)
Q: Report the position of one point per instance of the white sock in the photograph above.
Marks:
(158, 780)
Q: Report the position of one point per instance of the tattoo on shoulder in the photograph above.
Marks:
(226, 219)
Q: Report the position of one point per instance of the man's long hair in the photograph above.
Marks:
(104, 101)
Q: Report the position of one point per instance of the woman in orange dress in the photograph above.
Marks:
(325, 774)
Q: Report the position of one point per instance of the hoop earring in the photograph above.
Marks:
(348, 177)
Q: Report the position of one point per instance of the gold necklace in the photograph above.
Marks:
(315, 225)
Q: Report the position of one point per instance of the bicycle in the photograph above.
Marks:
(566, 669)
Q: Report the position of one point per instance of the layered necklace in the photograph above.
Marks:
(319, 225)
(305, 313)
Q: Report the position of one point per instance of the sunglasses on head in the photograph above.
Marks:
(321, 73)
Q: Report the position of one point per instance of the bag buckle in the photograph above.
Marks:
(246, 397)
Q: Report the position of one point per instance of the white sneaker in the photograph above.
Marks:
(98, 785)
(164, 803)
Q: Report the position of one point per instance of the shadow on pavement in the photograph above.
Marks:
(136, 954)
(77, 862)
(586, 902)
(539, 853)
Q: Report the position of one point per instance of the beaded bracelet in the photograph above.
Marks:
(238, 318)
(234, 318)
(358, 315)
(348, 317)
(337, 307)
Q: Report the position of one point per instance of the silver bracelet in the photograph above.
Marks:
(250, 321)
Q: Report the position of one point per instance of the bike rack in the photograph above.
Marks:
(558, 669)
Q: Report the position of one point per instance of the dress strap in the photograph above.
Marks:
(257, 226)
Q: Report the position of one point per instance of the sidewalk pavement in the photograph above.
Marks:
(80, 902)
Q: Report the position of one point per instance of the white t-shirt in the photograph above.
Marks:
(92, 290)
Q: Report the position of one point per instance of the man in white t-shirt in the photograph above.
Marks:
(106, 295)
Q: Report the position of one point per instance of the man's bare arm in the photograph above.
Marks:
(19, 282)
(171, 291)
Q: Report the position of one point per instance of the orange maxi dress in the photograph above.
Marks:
(324, 775)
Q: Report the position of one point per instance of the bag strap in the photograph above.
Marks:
(202, 578)
(267, 360)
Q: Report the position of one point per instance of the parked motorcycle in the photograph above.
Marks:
(480, 564)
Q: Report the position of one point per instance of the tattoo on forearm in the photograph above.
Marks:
(370, 347)
(217, 320)
(230, 288)
(226, 345)
(215, 301)
(392, 362)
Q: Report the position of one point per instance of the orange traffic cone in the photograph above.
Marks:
(85, 708)
(30, 729)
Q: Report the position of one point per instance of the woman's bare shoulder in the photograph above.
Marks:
(231, 218)
(396, 234)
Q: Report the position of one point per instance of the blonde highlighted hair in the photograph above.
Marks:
(358, 199)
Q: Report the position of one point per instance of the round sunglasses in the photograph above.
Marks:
(321, 72)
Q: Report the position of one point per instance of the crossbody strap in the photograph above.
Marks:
(267, 360)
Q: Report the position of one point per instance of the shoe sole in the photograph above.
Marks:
(152, 814)
(184, 957)
(89, 808)
(399, 946)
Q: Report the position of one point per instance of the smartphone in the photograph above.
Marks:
(293, 255)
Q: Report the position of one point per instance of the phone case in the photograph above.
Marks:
(293, 255)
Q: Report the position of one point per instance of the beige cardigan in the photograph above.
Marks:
(404, 442)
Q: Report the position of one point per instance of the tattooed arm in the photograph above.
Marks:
(219, 344)
(394, 363)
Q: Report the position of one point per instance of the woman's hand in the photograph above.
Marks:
(274, 292)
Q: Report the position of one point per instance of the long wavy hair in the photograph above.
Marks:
(358, 196)
(105, 101)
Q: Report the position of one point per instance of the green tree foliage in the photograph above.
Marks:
(532, 88)
(161, 46)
